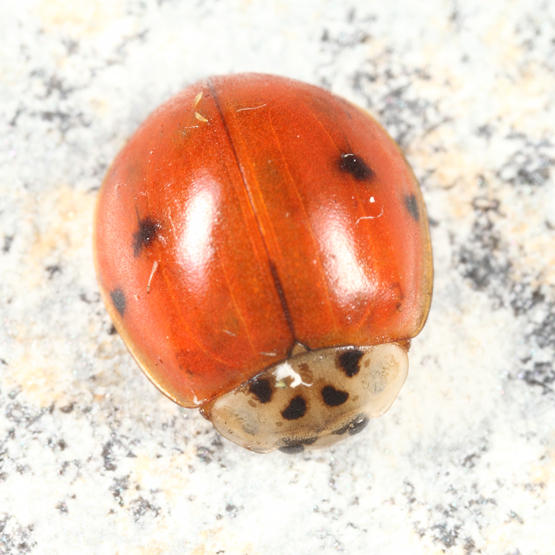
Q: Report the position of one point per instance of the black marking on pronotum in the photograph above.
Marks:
(342, 430)
(143, 237)
(292, 449)
(118, 300)
(333, 397)
(412, 206)
(296, 445)
(295, 409)
(354, 426)
(309, 440)
(357, 425)
(356, 166)
(349, 361)
(261, 389)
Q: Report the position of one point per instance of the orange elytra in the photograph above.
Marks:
(263, 249)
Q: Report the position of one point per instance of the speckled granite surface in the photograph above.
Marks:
(94, 460)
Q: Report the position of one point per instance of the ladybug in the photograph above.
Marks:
(263, 249)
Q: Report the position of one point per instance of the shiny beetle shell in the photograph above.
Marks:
(262, 247)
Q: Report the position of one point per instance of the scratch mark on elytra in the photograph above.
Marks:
(200, 117)
(250, 108)
(171, 220)
(184, 131)
(197, 99)
(370, 217)
(152, 272)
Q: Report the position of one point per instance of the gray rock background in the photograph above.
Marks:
(94, 460)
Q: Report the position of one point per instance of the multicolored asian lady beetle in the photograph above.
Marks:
(263, 249)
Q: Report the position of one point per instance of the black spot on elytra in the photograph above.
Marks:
(349, 361)
(295, 409)
(261, 389)
(356, 166)
(412, 206)
(118, 299)
(148, 229)
(354, 426)
(333, 397)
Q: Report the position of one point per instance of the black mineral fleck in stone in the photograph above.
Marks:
(356, 166)
(295, 409)
(108, 456)
(118, 299)
(333, 397)
(8, 240)
(53, 269)
(412, 206)
(66, 409)
(148, 229)
(349, 361)
(261, 389)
